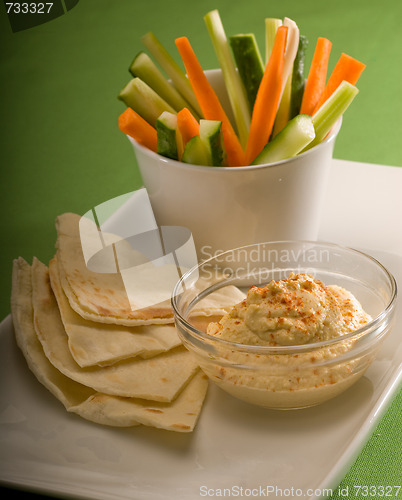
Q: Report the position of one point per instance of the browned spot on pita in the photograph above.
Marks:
(153, 410)
(181, 426)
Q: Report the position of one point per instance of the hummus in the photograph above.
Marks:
(298, 311)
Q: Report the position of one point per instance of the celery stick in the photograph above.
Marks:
(249, 63)
(289, 142)
(283, 113)
(172, 69)
(143, 67)
(166, 126)
(236, 91)
(145, 101)
(271, 25)
(298, 79)
(332, 109)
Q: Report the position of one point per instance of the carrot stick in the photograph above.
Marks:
(347, 68)
(267, 100)
(317, 76)
(209, 102)
(187, 125)
(132, 124)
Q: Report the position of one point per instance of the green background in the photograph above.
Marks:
(61, 149)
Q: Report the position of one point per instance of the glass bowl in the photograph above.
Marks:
(286, 377)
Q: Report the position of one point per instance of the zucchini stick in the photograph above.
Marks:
(298, 79)
(236, 91)
(172, 69)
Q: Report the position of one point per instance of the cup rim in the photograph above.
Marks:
(155, 156)
(361, 332)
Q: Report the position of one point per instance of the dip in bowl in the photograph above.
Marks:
(282, 374)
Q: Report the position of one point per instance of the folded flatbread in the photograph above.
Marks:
(93, 343)
(159, 378)
(103, 298)
(181, 415)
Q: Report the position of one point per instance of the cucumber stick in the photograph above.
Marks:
(234, 85)
(196, 152)
(211, 135)
(332, 109)
(146, 102)
(172, 69)
(291, 140)
(249, 63)
(166, 129)
(298, 79)
(207, 147)
(143, 67)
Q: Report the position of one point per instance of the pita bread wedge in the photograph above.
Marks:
(97, 296)
(160, 378)
(102, 297)
(180, 415)
(102, 344)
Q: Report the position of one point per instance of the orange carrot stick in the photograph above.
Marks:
(267, 100)
(317, 76)
(132, 124)
(209, 102)
(347, 68)
(187, 125)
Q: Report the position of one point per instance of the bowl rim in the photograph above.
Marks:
(359, 333)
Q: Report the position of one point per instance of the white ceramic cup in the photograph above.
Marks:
(229, 207)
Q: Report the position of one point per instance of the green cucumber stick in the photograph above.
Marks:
(298, 79)
(332, 109)
(295, 136)
(196, 152)
(211, 135)
(234, 85)
(143, 67)
(249, 63)
(172, 69)
(142, 99)
(166, 130)
(271, 25)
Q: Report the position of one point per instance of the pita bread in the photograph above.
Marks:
(180, 416)
(160, 378)
(98, 296)
(102, 297)
(92, 343)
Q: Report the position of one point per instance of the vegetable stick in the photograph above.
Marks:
(271, 25)
(143, 100)
(249, 63)
(332, 109)
(347, 68)
(267, 100)
(143, 67)
(187, 125)
(298, 80)
(292, 44)
(317, 76)
(234, 85)
(209, 102)
(132, 124)
(171, 68)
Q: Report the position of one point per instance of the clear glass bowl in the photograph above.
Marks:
(286, 377)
